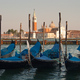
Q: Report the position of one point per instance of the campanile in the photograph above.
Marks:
(34, 21)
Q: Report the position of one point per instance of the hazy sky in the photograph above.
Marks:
(15, 12)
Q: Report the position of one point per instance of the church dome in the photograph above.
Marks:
(52, 25)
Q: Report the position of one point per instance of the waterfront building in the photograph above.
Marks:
(73, 33)
(62, 32)
(7, 35)
(50, 32)
(46, 35)
(48, 29)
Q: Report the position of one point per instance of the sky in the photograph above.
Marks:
(15, 12)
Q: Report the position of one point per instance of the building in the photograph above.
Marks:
(48, 29)
(73, 33)
(52, 25)
(62, 32)
(50, 32)
(7, 35)
(46, 35)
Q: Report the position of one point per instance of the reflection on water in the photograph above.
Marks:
(75, 75)
(41, 74)
(2, 71)
(8, 74)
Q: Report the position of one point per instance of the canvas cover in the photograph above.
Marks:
(52, 53)
(78, 48)
(7, 50)
(43, 58)
(34, 50)
(73, 58)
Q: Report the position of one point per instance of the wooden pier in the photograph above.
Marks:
(46, 42)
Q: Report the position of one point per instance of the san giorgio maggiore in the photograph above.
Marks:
(51, 31)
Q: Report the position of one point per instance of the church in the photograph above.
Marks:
(51, 31)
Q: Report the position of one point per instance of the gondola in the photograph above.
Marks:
(72, 63)
(48, 59)
(19, 60)
(7, 52)
(13, 63)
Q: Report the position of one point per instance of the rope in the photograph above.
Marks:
(16, 50)
(57, 60)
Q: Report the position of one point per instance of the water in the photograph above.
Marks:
(44, 74)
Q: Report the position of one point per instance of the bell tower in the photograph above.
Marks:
(34, 22)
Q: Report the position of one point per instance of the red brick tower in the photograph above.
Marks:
(34, 28)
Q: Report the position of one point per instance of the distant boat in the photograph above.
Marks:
(48, 59)
(7, 52)
(19, 60)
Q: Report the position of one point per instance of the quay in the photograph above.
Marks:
(47, 41)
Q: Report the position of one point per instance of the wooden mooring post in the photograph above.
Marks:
(43, 35)
(66, 41)
(59, 39)
(20, 35)
(29, 29)
(76, 42)
(0, 35)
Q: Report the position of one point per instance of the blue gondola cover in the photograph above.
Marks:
(7, 50)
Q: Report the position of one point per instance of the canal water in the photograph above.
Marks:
(41, 74)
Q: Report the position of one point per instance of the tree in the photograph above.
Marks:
(14, 32)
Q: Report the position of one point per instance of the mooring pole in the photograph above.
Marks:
(29, 29)
(59, 40)
(20, 35)
(43, 34)
(66, 41)
(0, 35)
